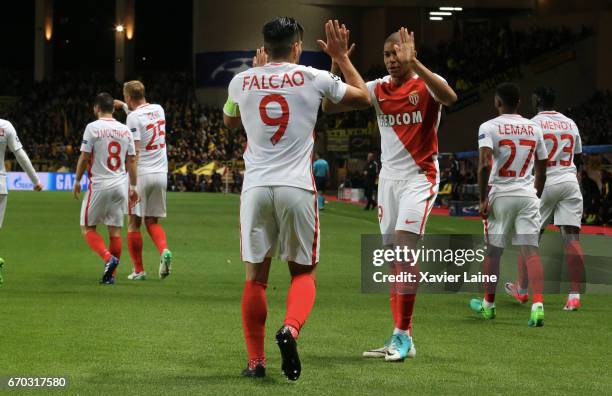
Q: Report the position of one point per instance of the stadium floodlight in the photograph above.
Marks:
(448, 8)
(440, 13)
(458, 8)
(436, 18)
(119, 28)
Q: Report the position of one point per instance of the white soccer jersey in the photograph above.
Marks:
(562, 140)
(109, 143)
(8, 138)
(148, 125)
(516, 143)
(278, 106)
(408, 119)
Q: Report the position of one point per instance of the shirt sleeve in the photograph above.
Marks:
(13, 140)
(87, 144)
(484, 137)
(577, 141)
(132, 123)
(329, 85)
(541, 151)
(230, 108)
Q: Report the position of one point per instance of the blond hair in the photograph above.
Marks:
(134, 89)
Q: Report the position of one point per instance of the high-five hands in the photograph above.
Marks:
(405, 51)
(260, 58)
(337, 37)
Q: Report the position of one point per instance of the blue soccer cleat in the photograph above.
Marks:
(109, 268)
(398, 348)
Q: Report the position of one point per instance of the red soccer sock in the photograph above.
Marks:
(96, 243)
(575, 265)
(523, 280)
(158, 236)
(405, 308)
(134, 239)
(393, 303)
(254, 313)
(300, 299)
(536, 278)
(115, 248)
(490, 266)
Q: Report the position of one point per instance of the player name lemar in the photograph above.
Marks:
(426, 277)
(267, 81)
(111, 133)
(388, 120)
(515, 129)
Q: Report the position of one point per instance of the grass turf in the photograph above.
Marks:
(183, 335)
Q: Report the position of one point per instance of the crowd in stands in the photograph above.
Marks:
(594, 118)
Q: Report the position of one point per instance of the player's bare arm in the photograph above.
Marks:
(327, 105)
(407, 54)
(84, 159)
(540, 175)
(484, 170)
(132, 169)
(24, 161)
(357, 95)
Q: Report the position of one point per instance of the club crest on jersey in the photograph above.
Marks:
(413, 98)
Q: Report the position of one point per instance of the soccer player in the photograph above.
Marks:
(107, 150)
(9, 138)
(509, 203)
(561, 198)
(408, 105)
(320, 170)
(147, 123)
(278, 104)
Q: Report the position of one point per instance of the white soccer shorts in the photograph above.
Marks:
(105, 206)
(405, 205)
(518, 217)
(563, 201)
(283, 216)
(3, 199)
(152, 192)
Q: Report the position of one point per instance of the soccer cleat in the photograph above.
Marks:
(291, 365)
(1, 265)
(512, 291)
(109, 268)
(572, 304)
(165, 264)
(258, 371)
(537, 316)
(476, 304)
(137, 276)
(382, 352)
(399, 347)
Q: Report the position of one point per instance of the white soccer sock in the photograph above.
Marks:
(487, 304)
(400, 331)
(574, 295)
(535, 306)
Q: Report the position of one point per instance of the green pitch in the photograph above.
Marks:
(183, 335)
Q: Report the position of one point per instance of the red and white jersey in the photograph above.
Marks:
(278, 105)
(148, 126)
(562, 140)
(8, 139)
(408, 119)
(516, 143)
(109, 143)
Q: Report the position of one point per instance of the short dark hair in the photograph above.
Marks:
(546, 96)
(105, 102)
(279, 34)
(509, 93)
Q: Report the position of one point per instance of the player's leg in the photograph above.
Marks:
(416, 199)
(93, 212)
(134, 240)
(299, 238)
(568, 216)
(3, 199)
(154, 209)
(527, 225)
(258, 237)
(388, 206)
(498, 225)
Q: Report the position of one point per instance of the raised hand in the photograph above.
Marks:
(260, 58)
(405, 51)
(133, 197)
(336, 45)
(38, 186)
(334, 67)
(118, 104)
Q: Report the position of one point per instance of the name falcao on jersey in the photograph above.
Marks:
(274, 81)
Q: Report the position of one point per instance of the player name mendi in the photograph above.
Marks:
(428, 277)
(275, 81)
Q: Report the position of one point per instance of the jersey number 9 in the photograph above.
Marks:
(281, 122)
